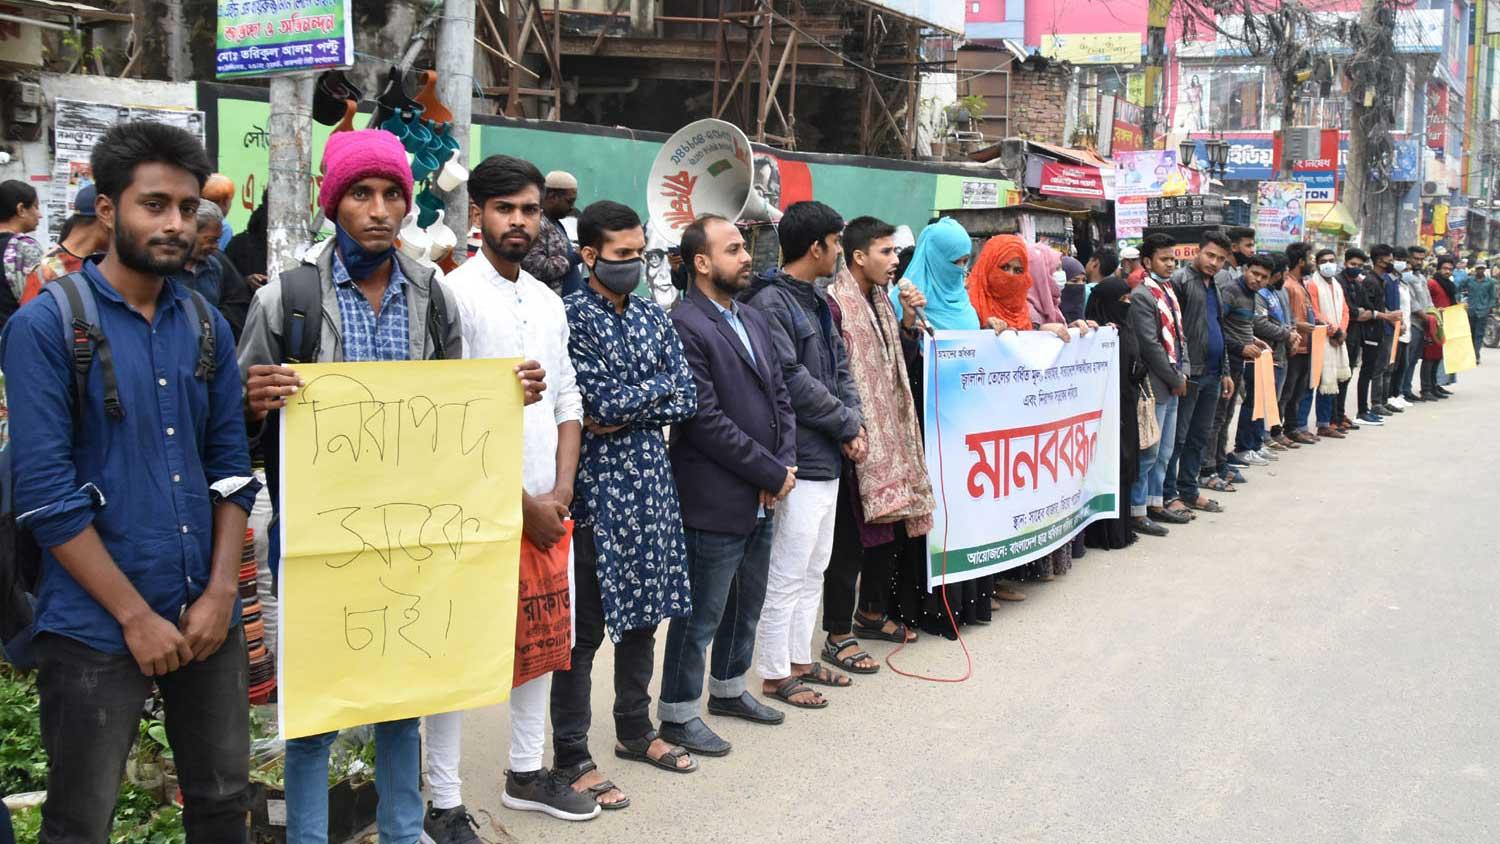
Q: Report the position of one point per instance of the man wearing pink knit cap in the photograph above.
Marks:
(357, 299)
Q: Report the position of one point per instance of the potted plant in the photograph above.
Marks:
(962, 113)
(147, 766)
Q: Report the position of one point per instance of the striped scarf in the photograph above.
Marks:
(1170, 316)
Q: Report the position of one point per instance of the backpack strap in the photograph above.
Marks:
(204, 315)
(85, 342)
(301, 314)
(437, 320)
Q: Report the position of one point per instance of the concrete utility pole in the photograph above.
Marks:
(290, 128)
(455, 87)
(1356, 170)
(1157, 16)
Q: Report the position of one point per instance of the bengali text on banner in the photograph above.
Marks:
(1022, 438)
(401, 528)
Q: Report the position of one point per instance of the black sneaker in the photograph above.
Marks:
(544, 791)
(450, 826)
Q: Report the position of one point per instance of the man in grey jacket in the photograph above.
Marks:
(829, 428)
(1246, 324)
(1156, 318)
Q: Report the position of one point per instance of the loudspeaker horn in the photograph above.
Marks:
(704, 168)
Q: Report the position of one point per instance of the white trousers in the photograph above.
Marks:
(528, 739)
(801, 544)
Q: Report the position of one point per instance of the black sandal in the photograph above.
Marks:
(820, 676)
(575, 773)
(832, 649)
(636, 750)
(793, 686)
(876, 630)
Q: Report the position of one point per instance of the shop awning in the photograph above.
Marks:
(1331, 217)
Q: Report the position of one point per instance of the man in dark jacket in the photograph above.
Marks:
(829, 428)
(1156, 319)
(1375, 292)
(1245, 325)
(732, 463)
(1209, 377)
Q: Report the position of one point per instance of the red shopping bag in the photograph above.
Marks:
(544, 615)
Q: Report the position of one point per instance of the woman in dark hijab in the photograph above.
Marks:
(1110, 303)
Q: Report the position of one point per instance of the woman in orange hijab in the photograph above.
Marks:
(998, 285)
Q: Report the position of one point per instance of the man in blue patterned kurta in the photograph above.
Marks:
(630, 557)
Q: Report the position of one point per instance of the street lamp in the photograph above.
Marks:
(1185, 149)
(1218, 156)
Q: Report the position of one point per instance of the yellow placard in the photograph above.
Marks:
(1458, 343)
(1094, 48)
(400, 538)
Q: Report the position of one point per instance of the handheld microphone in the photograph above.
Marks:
(905, 284)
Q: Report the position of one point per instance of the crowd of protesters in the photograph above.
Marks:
(793, 477)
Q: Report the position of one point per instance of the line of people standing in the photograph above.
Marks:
(793, 473)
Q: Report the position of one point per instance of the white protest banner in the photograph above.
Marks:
(1023, 442)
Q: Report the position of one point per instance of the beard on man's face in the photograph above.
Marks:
(135, 251)
(733, 283)
(509, 245)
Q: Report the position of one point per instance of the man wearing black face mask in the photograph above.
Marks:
(629, 554)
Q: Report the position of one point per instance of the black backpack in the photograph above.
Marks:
(20, 557)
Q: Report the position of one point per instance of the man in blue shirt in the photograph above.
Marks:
(141, 514)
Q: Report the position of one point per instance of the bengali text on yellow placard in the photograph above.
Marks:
(401, 525)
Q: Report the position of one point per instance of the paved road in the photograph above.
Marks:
(1319, 664)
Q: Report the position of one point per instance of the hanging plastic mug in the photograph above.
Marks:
(396, 126)
(415, 242)
(429, 206)
(443, 239)
(423, 164)
(418, 137)
(453, 174)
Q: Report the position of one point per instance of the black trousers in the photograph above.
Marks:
(1298, 376)
(635, 654)
(91, 713)
(853, 569)
(1372, 365)
(1429, 375)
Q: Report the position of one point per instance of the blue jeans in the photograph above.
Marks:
(728, 577)
(398, 781)
(1147, 489)
(1325, 409)
(1195, 421)
(1250, 433)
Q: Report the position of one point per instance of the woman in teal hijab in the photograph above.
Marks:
(938, 267)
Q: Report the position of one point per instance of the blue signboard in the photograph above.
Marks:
(1408, 161)
(1250, 159)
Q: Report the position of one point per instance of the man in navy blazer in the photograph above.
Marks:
(733, 462)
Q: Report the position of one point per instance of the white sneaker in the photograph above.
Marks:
(1400, 402)
(1267, 454)
(1252, 457)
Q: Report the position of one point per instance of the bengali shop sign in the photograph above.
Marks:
(1022, 439)
(269, 37)
(1072, 180)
